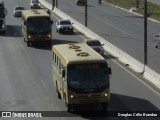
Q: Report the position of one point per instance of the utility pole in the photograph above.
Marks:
(53, 4)
(56, 3)
(137, 3)
(86, 12)
(145, 32)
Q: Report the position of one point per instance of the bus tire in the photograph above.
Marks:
(24, 40)
(58, 93)
(28, 44)
(68, 107)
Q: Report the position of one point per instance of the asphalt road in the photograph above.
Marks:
(26, 76)
(121, 28)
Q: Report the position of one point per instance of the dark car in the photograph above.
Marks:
(95, 44)
(35, 4)
(79, 2)
(64, 26)
(17, 12)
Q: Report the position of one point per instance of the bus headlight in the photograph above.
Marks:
(71, 96)
(49, 36)
(29, 36)
(105, 94)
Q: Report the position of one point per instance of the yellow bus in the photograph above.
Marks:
(36, 26)
(81, 76)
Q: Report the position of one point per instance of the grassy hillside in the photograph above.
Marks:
(153, 9)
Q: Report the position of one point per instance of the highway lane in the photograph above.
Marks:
(26, 76)
(121, 28)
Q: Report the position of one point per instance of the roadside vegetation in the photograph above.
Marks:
(153, 9)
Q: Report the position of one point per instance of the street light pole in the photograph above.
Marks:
(145, 34)
(137, 3)
(53, 4)
(86, 3)
(56, 3)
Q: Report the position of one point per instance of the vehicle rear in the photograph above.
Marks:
(96, 45)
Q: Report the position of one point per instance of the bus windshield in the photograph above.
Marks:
(38, 26)
(88, 77)
(1, 6)
(2, 11)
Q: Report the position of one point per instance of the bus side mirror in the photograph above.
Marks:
(109, 71)
(5, 11)
(63, 73)
(24, 23)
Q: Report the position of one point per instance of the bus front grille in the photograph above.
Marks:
(88, 96)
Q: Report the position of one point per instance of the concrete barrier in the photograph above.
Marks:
(122, 56)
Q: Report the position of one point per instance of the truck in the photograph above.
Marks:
(3, 13)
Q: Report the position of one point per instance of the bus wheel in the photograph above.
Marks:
(24, 40)
(28, 44)
(58, 94)
(68, 107)
(104, 107)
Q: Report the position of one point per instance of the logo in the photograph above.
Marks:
(6, 114)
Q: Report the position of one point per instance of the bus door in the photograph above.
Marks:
(64, 81)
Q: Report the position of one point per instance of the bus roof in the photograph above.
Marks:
(34, 13)
(76, 53)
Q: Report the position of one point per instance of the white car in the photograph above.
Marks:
(35, 4)
(64, 26)
(95, 44)
(17, 11)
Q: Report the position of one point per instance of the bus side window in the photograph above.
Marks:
(63, 73)
(54, 59)
(60, 66)
(53, 55)
(57, 63)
